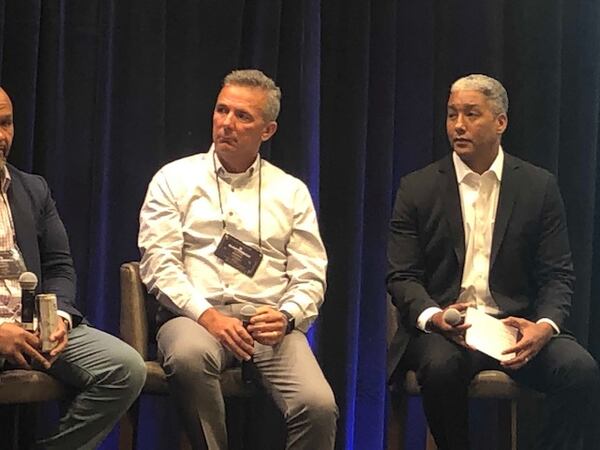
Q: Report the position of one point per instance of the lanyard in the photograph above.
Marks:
(259, 198)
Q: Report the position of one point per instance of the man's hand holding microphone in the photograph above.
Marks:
(450, 323)
(264, 324)
(20, 343)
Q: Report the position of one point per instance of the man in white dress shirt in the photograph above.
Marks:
(485, 229)
(224, 229)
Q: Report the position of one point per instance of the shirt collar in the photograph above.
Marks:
(4, 179)
(223, 173)
(462, 170)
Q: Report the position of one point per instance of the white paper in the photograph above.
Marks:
(489, 335)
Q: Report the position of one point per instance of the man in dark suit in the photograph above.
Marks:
(105, 373)
(482, 228)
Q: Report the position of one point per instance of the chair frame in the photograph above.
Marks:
(488, 384)
(19, 388)
(138, 308)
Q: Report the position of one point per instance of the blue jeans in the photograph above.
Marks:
(106, 376)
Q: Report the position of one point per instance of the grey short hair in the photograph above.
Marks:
(488, 86)
(256, 79)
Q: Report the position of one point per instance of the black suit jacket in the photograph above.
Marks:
(531, 273)
(42, 238)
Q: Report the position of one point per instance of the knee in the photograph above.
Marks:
(129, 369)
(443, 371)
(119, 372)
(318, 406)
(191, 360)
(581, 373)
(323, 406)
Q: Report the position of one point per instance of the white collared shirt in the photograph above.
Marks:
(479, 203)
(181, 225)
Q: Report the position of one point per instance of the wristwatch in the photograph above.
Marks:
(291, 322)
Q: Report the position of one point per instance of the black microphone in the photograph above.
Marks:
(246, 312)
(452, 317)
(28, 282)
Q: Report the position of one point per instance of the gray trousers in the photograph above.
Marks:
(193, 361)
(106, 376)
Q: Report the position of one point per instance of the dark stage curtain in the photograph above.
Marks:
(105, 92)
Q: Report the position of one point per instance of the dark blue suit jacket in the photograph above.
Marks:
(531, 273)
(42, 238)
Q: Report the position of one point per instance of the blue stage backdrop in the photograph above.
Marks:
(106, 91)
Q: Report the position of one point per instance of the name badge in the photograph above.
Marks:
(238, 255)
(11, 265)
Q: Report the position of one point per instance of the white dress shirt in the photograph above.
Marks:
(479, 203)
(181, 225)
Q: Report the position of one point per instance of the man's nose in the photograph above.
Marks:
(459, 125)
(228, 119)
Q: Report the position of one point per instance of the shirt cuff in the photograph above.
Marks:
(425, 316)
(197, 306)
(551, 323)
(67, 317)
(293, 309)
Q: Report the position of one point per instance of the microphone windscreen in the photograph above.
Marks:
(28, 281)
(452, 317)
(247, 311)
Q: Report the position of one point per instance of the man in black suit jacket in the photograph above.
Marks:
(485, 229)
(105, 373)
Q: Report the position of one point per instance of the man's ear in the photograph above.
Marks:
(269, 131)
(502, 122)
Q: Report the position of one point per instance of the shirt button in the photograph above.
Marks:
(232, 189)
(231, 213)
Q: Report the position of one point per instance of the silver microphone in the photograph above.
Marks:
(452, 317)
(247, 312)
(28, 282)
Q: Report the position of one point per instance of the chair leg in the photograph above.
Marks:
(513, 424)
(129, 427)
(507, 435)
(430, 442)
(16, 426)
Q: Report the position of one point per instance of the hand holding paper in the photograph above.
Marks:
(490, 335)
(532, 338)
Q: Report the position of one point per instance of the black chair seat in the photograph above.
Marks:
(486, 384)
(28, 386)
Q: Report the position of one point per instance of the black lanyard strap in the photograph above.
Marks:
(259, 198)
